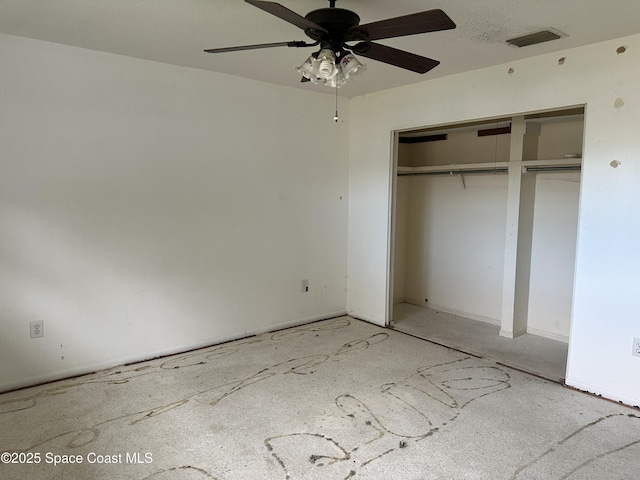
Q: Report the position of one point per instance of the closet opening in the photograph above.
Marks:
(484, 225)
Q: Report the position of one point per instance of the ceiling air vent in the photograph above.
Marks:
(537, 37)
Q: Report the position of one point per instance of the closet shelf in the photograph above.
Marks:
(461, 168)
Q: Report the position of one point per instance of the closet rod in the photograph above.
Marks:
(565, 168)
(487, 171)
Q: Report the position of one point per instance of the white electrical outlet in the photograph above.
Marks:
(304, 285)
(636, 347)
(36, 329)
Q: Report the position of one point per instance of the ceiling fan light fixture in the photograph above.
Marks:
(351, 67)
(310, 69)
(327, 69)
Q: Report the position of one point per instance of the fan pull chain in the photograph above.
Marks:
(335, 118)
(495, 152)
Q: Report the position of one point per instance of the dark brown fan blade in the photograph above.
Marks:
(258, 46)
(287, 15)
(393, 56)
(423, 22)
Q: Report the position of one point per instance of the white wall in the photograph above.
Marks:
(606, 301)
(455, 244)
(403, 191)
(553, 252)
(148, 208)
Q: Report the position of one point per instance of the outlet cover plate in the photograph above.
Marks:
(36, 329)
(636, 347)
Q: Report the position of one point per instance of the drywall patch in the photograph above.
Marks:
(621, 49)
(619, 103)
(615, 163)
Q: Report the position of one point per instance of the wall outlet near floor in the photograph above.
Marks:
(36, 329)
(636, 347)
(304, 285)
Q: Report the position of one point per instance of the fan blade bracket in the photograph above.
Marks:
(302, 44)
(314, 34)
(361, 48)
(295, 43)
(357, 35)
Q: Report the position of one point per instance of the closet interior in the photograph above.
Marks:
(484, 236)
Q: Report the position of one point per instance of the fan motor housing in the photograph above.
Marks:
(337, 21)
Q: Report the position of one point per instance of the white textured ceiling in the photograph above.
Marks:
(177, 32)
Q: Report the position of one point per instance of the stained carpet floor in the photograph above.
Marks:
(531, 353)
(336, 399)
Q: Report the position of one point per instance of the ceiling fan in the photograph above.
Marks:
(339, 35)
